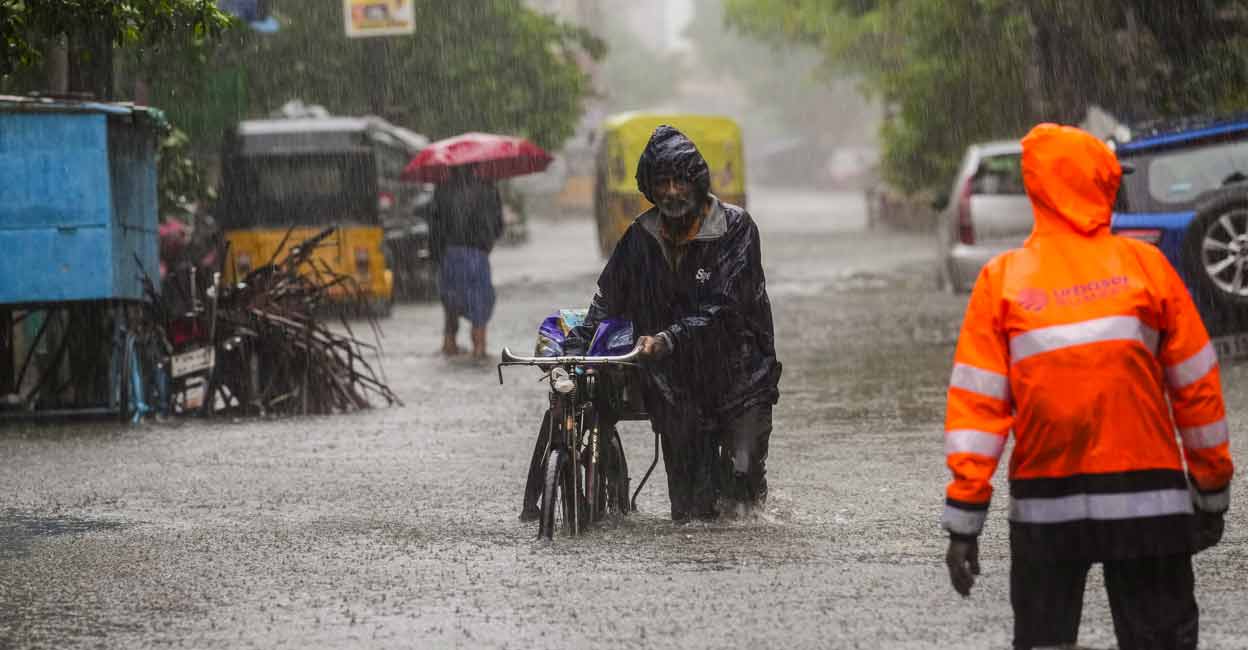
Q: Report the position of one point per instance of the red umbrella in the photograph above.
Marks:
(491, 156)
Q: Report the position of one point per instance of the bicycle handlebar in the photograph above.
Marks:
(510, 359)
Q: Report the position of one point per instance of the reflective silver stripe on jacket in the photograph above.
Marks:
(1205, 436)
(977, 380)
(1123, 505)
(1187, 372)
(1213, 502)
(1111, 328)
(963, 522)
(970, 441)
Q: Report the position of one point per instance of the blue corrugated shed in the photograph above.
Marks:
(77, 200)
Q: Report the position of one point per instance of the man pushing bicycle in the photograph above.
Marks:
(688, 274)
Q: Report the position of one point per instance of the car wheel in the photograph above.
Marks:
(1215, 251)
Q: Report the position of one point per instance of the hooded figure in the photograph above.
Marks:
(670, 154)
(688, 274)
(1088, 348)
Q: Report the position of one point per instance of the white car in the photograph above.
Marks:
(987, 213)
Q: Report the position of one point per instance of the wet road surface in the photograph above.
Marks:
(397, 528)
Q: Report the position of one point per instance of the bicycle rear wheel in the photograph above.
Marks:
(594, 459)
(616, 474)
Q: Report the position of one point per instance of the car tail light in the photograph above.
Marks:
(361, 263)
(966, 228)
(242, 263)
(1150, 235)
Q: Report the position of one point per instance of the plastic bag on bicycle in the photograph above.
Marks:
(614, 337)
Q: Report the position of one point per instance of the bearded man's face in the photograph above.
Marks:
(675, 198)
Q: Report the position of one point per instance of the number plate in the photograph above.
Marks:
(193, 395)
(192, 362)
(1232, 346)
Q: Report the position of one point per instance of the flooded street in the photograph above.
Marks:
(398, 527)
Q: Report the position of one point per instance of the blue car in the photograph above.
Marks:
(1186, 190)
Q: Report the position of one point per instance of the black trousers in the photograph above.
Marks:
(743, 443)
(1152, 600)
(706, 457)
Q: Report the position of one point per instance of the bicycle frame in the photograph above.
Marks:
(576, 430)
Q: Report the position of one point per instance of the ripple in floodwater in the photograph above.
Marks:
(33, 606)
(19, 530)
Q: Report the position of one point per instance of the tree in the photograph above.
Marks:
(89, 30)
(924, 60)
(1139, 58)
(487, 65)
(951, 73)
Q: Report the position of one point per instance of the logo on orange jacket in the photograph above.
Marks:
(1033, 299)
(1086, 292)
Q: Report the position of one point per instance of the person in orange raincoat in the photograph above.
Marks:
(1084, 344)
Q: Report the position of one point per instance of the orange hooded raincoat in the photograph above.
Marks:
(1083, 344)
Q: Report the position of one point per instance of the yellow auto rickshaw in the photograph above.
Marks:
(308, 174)
(624, 136)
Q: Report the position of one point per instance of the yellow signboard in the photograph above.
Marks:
(378, 17)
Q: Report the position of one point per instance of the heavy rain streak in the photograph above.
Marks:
(651, 324)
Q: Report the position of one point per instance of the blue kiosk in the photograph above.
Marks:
(78, 236)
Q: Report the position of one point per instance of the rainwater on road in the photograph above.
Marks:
(397, 528)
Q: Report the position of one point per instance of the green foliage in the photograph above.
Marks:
(486, 65)
(26, 25)
(945, 91)
(174, 29)
(925, 59)
(953, 73)
(181, 180)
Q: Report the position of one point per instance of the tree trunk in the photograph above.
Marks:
(57, 61)
(91, 65)
(1060, 65)
(1033, 76)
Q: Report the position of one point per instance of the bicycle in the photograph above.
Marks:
(584, 468)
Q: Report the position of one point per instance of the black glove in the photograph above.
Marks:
(963, 562)
(576, 342)
(1209, 527)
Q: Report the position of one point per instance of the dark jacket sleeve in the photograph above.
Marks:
(611, 298)
(494, 211)
(437, 217)
(739, 284)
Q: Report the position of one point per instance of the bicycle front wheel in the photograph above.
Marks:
(594, 461)
(560, 496)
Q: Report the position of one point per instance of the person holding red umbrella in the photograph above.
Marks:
(466, 222)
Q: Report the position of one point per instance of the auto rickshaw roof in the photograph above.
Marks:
(717, 137)
(621, 121)
(322, 134)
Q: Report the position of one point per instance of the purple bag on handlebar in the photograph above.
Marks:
(613, 338)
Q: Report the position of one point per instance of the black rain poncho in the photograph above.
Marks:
(713, 305)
